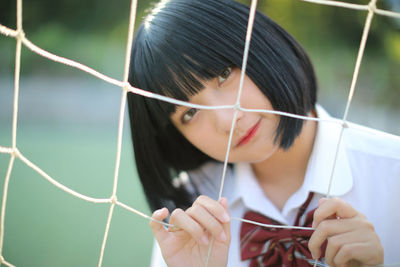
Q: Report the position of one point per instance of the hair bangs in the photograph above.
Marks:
(177, 62)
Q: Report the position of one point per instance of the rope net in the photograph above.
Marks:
(15, 154)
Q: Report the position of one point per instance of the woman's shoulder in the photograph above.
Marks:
(374, 156)
(361, 139)
(373, 142)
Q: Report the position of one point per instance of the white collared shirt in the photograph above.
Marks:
(366, 175)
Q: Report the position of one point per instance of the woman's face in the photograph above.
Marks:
(208, 130)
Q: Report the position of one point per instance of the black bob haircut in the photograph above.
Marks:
(183, 42)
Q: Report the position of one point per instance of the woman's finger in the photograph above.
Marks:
(333, 207)
(342, 241)
(182, 220)
(214, 207)
(158, 229)
(224, 202)
(362, 252)
(227, 226)
(332, 227)
(341, 233)
(207, 221)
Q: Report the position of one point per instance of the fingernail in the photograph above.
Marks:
(222, 237)
(225, 218)
(315, 256)
(157, 213)
(204, 240)
(313, 224)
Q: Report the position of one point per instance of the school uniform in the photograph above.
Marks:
(366, 175)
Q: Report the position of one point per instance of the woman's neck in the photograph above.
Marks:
(283, 173)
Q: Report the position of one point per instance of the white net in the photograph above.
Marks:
(15, 154)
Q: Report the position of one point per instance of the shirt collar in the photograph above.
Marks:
(322, 169)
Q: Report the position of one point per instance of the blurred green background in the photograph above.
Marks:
(68, 119)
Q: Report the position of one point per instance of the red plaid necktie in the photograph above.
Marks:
(267, 246)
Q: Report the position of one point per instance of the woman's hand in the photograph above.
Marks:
(187, 244)
(352, 240)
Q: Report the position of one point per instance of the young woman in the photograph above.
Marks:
(280, 167)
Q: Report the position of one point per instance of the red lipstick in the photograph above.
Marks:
(249, 135)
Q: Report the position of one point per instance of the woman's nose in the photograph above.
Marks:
(224, 119)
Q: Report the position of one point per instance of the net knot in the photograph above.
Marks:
(20, 34)
(237, 106)
(114, 200)
(372, 6)
(345, 125)
(15, 152)
(126, 86)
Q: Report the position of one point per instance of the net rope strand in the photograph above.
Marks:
(131, 27)
(236, 109)
(354, 6)
(3, 205)
(371, 9)
(14, 152)
(6, 150)
(14, 127)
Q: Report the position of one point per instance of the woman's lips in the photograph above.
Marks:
(249, 135)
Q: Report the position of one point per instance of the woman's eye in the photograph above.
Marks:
(224, 75)
(188, 115)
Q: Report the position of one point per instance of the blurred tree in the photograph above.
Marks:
(68, 27)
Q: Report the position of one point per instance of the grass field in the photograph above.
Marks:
(46, 227)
